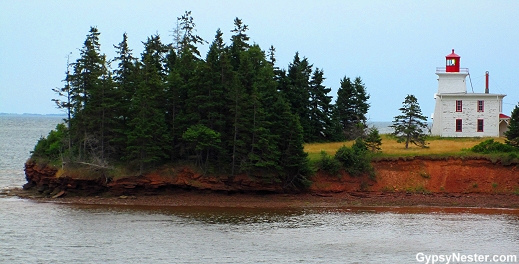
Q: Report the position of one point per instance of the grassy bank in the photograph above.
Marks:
(390, 147)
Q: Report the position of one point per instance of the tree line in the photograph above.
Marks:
(231, 112)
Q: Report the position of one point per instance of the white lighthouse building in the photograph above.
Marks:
(461, 114)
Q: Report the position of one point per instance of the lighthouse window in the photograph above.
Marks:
(481, 105)
(480, 125)
(459, 106)
(459, 127)
(451, 62)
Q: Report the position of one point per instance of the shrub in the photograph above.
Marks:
(490, 146)
(356, 160)
(52, 146)
(328, 163)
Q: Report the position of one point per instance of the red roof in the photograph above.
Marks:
(503, 116)
(452, 55)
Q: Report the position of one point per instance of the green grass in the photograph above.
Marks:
(438, 147)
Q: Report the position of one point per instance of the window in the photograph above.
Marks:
(459, 106)
(481, 105)
(451, 62)
(459, 127)
(480, 125)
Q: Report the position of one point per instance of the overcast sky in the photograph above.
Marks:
(394, 46)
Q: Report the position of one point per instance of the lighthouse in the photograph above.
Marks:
(458, 113)
(451, 78)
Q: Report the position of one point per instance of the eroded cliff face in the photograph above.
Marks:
(51, 182)
(47, 181)
(417, 175)
(422, 175)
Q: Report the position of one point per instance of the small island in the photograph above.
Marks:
(233, 129)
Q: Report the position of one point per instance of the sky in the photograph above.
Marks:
(394, 46)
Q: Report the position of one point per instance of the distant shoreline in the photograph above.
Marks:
(31, 115)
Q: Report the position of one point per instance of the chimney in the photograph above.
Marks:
(486, 82)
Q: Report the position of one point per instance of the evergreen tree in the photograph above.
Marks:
(86, 94)
(263, 153)
(409, 126)
(173, 102)
(297, 94)
(148, 140)
(107, 114)
(271, 56)
(320, 124)
(512, 135)
(239, 92)
(373, 140)
(219, 72)
(189, 39)
(338, 134)
(125, 85)
(293, 160)
(239, 42)
(352, 107)
(183, 80)
(219, 79)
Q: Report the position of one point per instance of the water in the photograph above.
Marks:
(383, 127)
(18, 135)
(32, 232)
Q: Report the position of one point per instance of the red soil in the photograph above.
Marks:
(416, 182)
(429, 176)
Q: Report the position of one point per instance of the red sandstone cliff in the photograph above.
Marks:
(426, 175)
(418, 175)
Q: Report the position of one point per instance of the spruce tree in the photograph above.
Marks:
(183, 80)
(410, 125)
(293, 161)
(108, 114)
(239, 96)
(512, 135)
(125, 85)
(297, 92)
(373, 140)
(148, 140)
(336, 125)
(263, 154)
(220, 78)
(352, 107)
(189, 39)
(320, 112)
(239, 42)
(86, 91)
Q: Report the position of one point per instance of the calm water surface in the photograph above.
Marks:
(32, 232)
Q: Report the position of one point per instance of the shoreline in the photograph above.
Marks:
(450, 182)
(183, 198)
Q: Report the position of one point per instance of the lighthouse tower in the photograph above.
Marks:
(451, 79)
(461, 114)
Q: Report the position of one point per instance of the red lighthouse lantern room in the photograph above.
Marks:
(452, 62)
